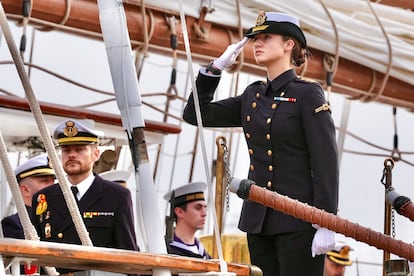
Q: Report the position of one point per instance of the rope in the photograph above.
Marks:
(25, 12)
(65, 17)
(389, 66)
(28, 228)
(29, 231)
(99, 91)
(331, 63)
(172, 88)
(199, 31)
(391, 151)
(223, 265)
(396, 154)
(46, 137)
(141, 52)
(240, 59)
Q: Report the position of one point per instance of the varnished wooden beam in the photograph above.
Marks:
(110, 259)
(82, 113)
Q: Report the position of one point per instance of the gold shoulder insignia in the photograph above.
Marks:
(41, 204)
(324, 107)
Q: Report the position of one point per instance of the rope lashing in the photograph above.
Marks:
(171, 21)
(395, 154)
(200, 31)
(25, 13)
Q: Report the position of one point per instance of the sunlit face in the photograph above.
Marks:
(78, 160)
(333, 269)
(32, 184)
(194, 215)
(270, 48)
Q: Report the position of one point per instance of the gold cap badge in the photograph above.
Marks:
(261, 18)
(70, 130)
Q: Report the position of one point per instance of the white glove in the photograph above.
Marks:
(229, 56)
(323, 241)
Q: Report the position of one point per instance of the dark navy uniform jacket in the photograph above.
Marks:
(292, 144)
(106, 209)
(12, 227)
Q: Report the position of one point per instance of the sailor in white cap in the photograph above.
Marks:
(32, 176)
(337, 260)
(118, 176)
(291, 141)
(188, 207)
(105, 206)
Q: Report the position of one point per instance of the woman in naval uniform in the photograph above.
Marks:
(291, 140)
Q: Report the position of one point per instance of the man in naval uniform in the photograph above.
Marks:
(189, 210)
(32, 176)
(106, 207)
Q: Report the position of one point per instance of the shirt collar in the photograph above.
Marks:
(84, 185)
(280, 81)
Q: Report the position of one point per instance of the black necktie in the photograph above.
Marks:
(75, 191)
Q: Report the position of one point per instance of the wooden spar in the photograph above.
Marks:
(322, 218)
(351, 79)
(405, 4)
(82, 113)
(110, 259)
(219, 193)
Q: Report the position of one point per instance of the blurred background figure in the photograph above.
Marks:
(337, 260)
(117, 176)
(32, 176)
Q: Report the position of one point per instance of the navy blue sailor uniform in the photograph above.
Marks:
(12, 226)
(178, 247)
(291, 142)
(106, 209)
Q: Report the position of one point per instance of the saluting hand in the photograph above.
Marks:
(230, 54)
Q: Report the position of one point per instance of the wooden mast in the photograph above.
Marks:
(351, 79)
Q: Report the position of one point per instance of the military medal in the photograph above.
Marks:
(48, 231)
(285, 99)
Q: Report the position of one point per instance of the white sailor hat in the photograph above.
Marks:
(278, 23)
(116, 176)
(187, 193)
(340, 254)
(36, 166)
(73, 132)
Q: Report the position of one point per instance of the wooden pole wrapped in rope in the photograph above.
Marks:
(247, 189)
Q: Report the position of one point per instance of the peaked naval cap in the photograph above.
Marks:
(340, 254)
(278, 23)
(187, 193)
(73, 132)
(36, 166)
